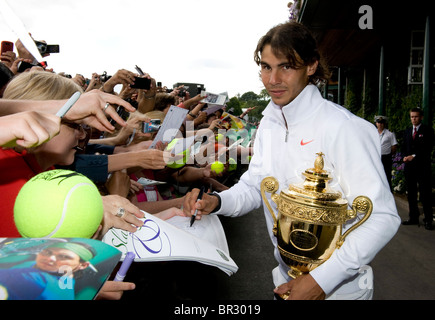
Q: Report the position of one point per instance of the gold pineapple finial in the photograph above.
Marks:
(318, 163)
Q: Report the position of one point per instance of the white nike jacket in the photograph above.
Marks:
(353, 158)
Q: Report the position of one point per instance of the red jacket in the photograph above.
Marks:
(15, 170)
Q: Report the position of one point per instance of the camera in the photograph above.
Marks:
(152, 126)
(47, 48)
(104, 77)
(141, 83)
(183, 91)
(124, 114)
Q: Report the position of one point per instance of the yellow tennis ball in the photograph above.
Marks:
(180, 162)
(56, 204)
(217, 167)
(232, 164)
(220, 137)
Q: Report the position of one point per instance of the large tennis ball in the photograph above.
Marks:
(217, 167)
(56, 204)
(180, 162)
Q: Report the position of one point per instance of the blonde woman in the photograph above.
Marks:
(17, 166)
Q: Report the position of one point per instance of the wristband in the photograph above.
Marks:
(215, 194)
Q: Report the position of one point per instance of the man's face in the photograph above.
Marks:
(281, 81)
(416, 118)
(51, 259)
(380, 125)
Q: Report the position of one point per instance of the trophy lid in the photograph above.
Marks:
(315, 185)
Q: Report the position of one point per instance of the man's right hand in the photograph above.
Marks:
(204, 206)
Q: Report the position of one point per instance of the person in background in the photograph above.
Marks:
(388, 146)
(417, 148)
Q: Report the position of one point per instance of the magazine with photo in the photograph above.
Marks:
(54, 268)
(213, 98)
(174, 239)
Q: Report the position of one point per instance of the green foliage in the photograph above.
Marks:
(247, 100)
(249, 96)
(399, 98)
(236, 105)
(398, 175)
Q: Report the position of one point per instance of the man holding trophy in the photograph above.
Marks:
(328, 222)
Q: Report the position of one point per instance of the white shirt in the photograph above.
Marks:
(352, 156)
(388, 139)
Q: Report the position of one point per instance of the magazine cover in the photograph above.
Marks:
(54, 269)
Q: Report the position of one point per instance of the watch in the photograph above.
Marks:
(215, 194)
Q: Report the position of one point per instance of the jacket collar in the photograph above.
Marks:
(300, 109)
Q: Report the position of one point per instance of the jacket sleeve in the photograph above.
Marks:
(355, 156)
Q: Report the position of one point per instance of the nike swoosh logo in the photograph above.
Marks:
(304, 143)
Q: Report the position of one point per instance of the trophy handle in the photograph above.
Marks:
(270, 184)
(360, 204)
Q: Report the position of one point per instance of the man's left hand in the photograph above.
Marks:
(303, 287)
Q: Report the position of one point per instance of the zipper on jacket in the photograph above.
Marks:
(286, 127)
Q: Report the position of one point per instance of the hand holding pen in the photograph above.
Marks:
(201, 193)
(31, 128)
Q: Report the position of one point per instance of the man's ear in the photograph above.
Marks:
(312, 68)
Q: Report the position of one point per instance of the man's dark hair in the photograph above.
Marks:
(297, 44)
(163, 100)
(417, 109)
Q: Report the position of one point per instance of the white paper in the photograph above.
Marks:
(171, 125)
(158, 240)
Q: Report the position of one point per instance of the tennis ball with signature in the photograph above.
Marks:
(58, 203)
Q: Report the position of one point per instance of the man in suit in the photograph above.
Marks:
(417, 150)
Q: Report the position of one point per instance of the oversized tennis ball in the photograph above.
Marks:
(56, 204)
(232, 164)
(180, 162)
(217, 167)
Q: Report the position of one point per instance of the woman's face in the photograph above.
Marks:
(61, 149)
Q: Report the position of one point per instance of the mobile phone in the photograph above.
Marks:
(23, 66)
(7, 46)
(52, 48)
(141, 83)
(152, 126)
(47, 48)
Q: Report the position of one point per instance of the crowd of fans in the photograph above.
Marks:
(102, 137)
